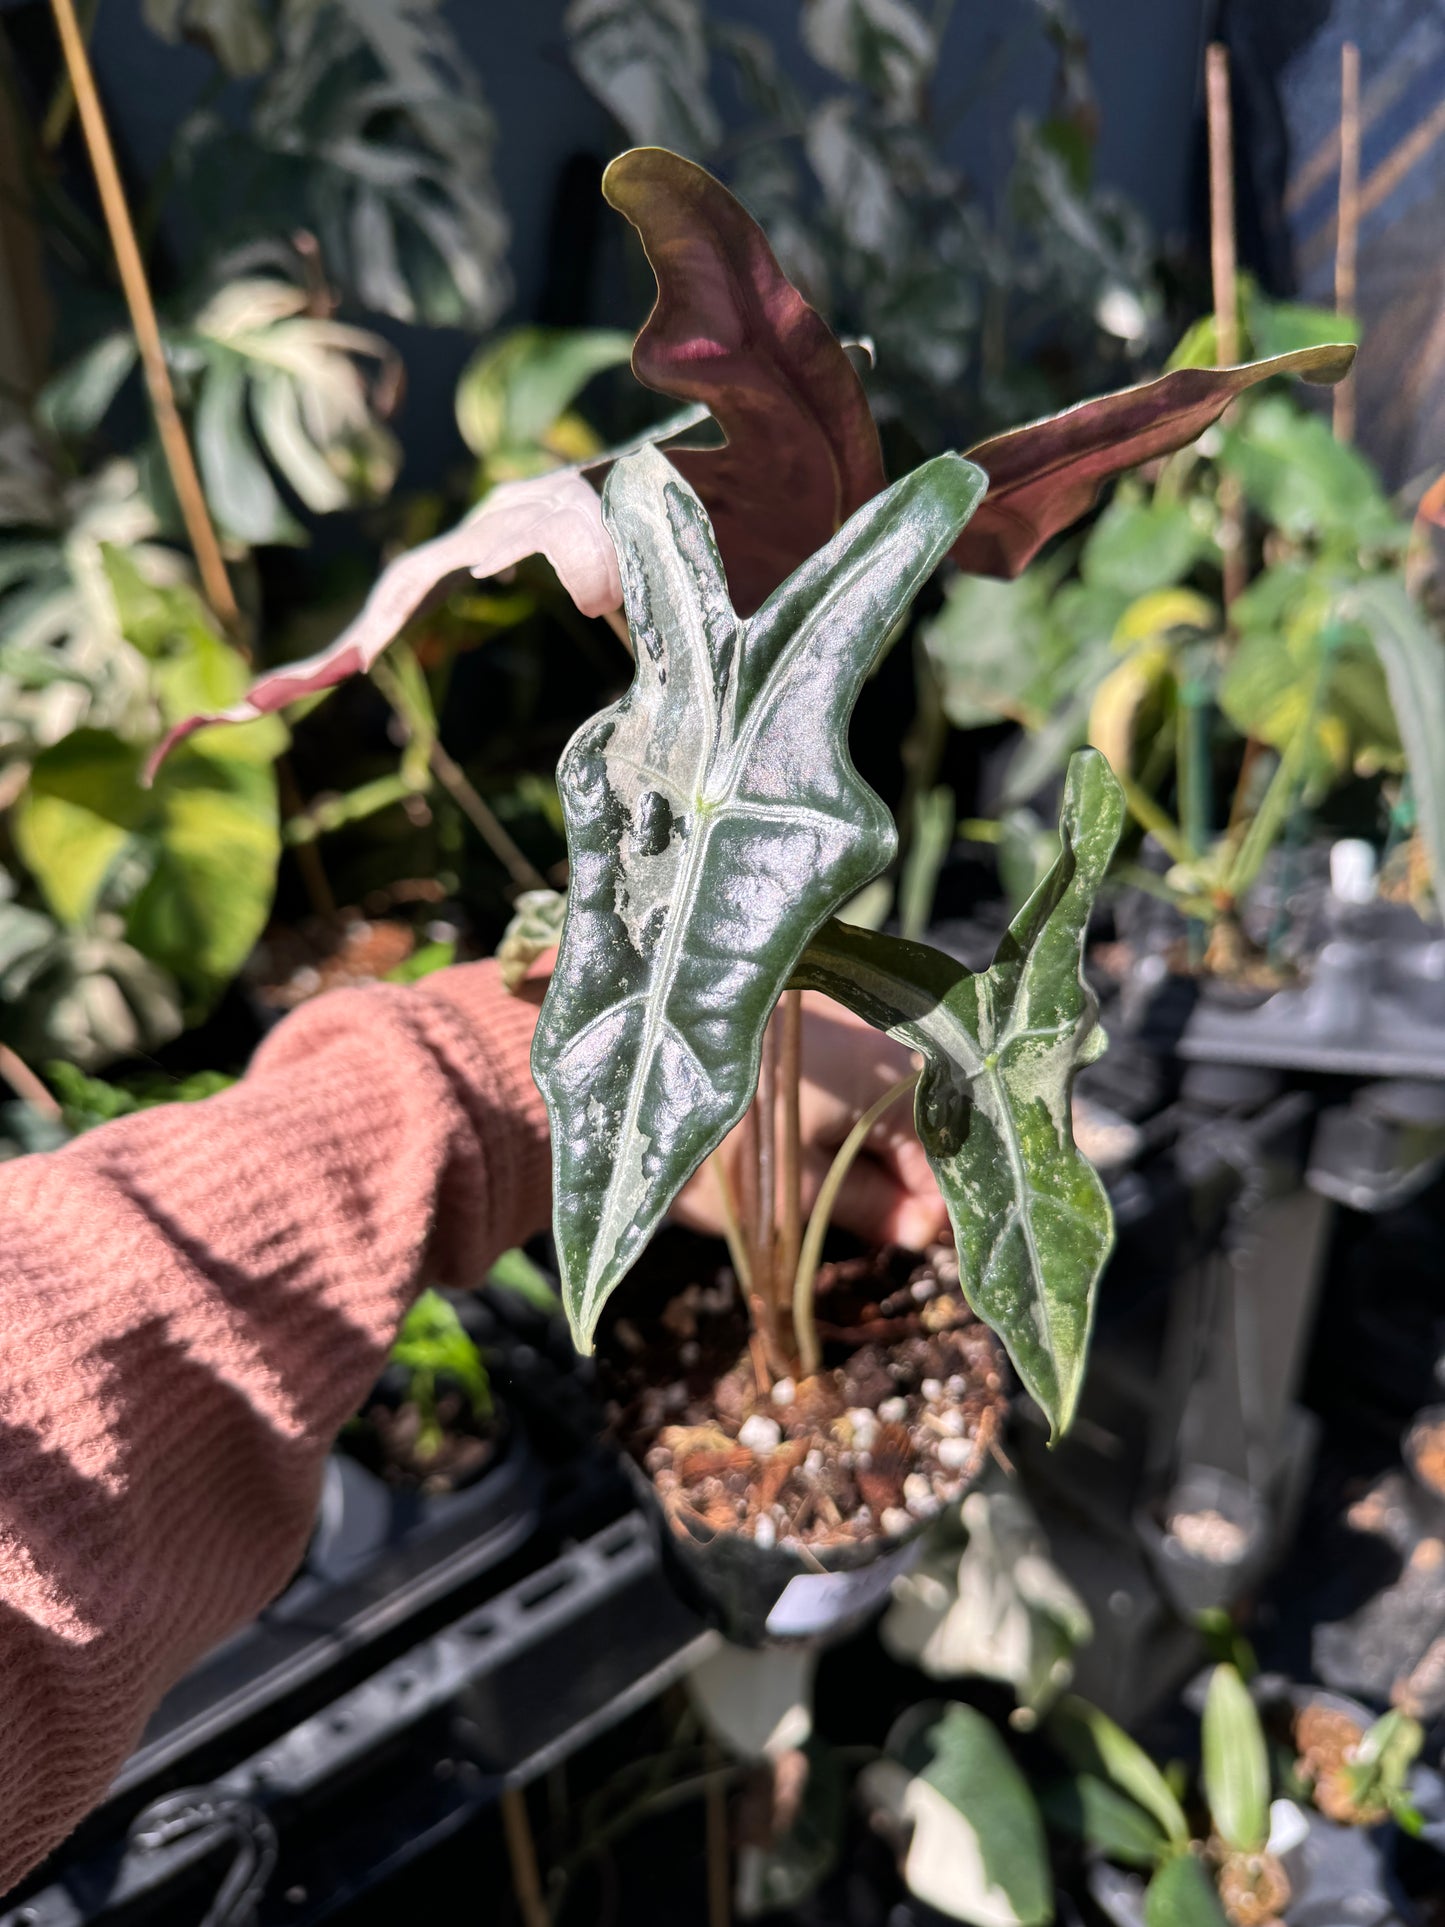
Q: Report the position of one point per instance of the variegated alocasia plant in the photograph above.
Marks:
(715, 823)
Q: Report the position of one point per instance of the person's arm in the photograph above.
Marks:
(192, 1301)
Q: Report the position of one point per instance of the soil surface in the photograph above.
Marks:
(894, 1427)
(388, 1440)
(290, 966)
(1327, 1740)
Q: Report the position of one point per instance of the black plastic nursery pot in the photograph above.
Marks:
(757, 1595)
(763, 1587)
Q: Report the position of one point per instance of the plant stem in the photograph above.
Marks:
(805, 1328)
(732, 1229)
(409, 697)
(1268, 819)
(791, 1074)
(1347, 224)
(1147, 812)
(308, 858)
(484, 820)
(1224, 275)
(177, 449)
(766, 1106)
(522, 1857)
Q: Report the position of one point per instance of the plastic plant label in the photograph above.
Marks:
(814, 1602)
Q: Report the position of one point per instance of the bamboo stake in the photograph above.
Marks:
(1224, 274)
(1347, 224)
(177, 449)
(522, 1856)
(23, 1081)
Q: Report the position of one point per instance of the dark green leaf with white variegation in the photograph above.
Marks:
(714, 820)
(1030, 1216)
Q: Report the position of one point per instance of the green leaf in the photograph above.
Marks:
(1235, 1763)
(1181, 1894)
(997, 650)
(1093, 1744)
(714, 819)
(434, 1343)
(370, 129)
(192, 862)
(978, 1851)
(238, 487)
(1107, 1821)
(73, 402)
(731, 331)
(934, 818)
(1030, 1216)
(1414, 662)
(513, 390)
(515, 1272)
(884, 45)
(1301, 679)
(234, 31)
(1138, 546)
(1305, 482)
(647, 62)
(1044, 476)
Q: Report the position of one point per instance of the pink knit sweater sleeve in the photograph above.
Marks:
(192, 1301)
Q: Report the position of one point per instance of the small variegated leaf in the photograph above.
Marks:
(1030, 1216)
(714, 819)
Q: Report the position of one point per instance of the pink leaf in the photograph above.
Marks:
(557, 515)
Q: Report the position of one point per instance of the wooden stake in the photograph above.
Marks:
(1224, 273)
(1347, 224)
(23, 1081)
(176, 447)
(522, 1856)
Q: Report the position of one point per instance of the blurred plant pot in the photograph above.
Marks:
(1207, 1540)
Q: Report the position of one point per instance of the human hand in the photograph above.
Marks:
(889, 1196)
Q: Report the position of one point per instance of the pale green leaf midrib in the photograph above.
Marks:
(662, 976)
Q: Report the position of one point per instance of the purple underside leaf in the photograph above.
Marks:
(730, 330)
(1044, 476)
(557, 515)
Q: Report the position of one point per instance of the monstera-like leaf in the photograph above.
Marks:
(1044, 476)
(714, 819)
(1030, 1217)
(730, 330)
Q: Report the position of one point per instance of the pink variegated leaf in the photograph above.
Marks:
(558, 515)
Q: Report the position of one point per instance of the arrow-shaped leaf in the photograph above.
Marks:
(714, 819)
(1044, 476)
(729, 329)
(1030, 1216)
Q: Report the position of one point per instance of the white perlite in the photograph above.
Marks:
(760, 1433)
